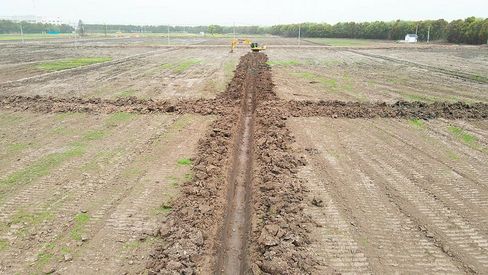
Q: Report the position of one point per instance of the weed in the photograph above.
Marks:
(424, 98)
(418, 123)
(94, 135)
(25, 217)
(188, 177)
(116, 118)
(313, 77)
(44, 258)
(132, 245)
(451, 155)
(181, 67)
(64, 131)
(79, 223)
(184, 161)
(71, 63)
(69, 115)
(16, 147)
(165, 207)
(167, 66)
(40, 168)
(463, 135)
(126, 93)
(3, 245)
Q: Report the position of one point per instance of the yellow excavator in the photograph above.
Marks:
(254, 46)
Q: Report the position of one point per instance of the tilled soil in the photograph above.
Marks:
(257, 202)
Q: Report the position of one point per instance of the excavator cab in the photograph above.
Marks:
(256, 48)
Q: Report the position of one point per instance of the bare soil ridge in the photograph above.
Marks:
(222, 105)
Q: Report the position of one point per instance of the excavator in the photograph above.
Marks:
(254, 46)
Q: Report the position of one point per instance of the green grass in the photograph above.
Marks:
(341, 41)
(28, 218)
(184, 161)
(80, 221)
(93, 135)
(32, 36)
(119, 117)
(182, 66)
(126, 93)
(71, 63)
(44, 258)
(3, 245)
(462, 135)
(313, 77)
(423, 98)
(417, 123)
(16, 147)
(40, 168)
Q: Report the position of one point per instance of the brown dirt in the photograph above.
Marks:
(224, 103)
(400, 109)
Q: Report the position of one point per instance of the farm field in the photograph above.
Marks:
(123, 155)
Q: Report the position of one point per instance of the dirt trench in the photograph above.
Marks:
(226, 221)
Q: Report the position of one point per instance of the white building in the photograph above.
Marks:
(411, 38)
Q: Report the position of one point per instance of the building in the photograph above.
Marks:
(411, 38)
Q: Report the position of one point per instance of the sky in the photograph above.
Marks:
(244, 12)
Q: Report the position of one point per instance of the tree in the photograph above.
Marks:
(213, 29)
(81, 28)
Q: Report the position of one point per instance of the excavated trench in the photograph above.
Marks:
(232, 257)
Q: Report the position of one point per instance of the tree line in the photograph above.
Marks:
(469, 31)
(7, 26)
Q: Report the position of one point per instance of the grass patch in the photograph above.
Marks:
(451, 155)
(25, 217)
(40, 168)
(341, 41)
(44, 258)
(94, 135)
(463, 135)
(80, 221)
(423, 98)
(71, 63)
(181, 67)
(119, 117)
(3, 245)
(184, 161)
(126, 93)
(64, 131)
(316, 78)
(16, 147)
(417, 123)
(165, 207)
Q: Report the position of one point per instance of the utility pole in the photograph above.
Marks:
(299, 34)
(417, 30)
(22, 32)
(105, 29)
(234, 30)
(428, 35)
(168, 35)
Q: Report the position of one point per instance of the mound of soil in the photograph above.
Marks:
(400, 109)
